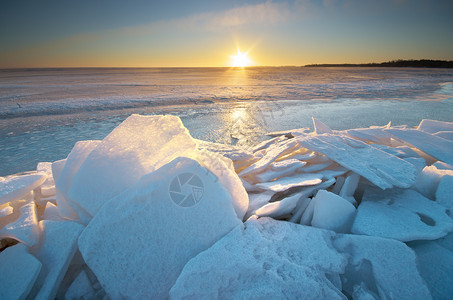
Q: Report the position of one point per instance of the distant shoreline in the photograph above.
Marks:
(422, 63)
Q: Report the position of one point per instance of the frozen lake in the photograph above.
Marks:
(44, 112)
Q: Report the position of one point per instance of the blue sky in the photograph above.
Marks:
(206, 33)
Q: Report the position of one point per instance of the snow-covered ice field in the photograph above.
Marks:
(240, 198)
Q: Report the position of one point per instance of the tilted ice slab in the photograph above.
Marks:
(382, 169)
(403, 215)
(380, 268)
(139, 145)
(267, 259)
(19, 270)
(15, 187)
(285, 183)
(75, 159)
(140, 240)
(435, 146)
(433, 126)
(57, 248)
(272, 153)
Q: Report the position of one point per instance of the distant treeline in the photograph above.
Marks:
(421, 63)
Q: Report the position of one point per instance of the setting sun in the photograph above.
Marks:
(240, 60)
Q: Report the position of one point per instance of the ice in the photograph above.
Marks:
(257, 200)
(267, 143)
(349, 187)
(76, 157)
(139, 145)
(387, 268)
(332, 212)
(153, 229)
(374, 135)
(15, 187)
(279, 208)
(80, 288)
(267, 259)
(241, 157)
(428, 180)
(52, 213)
(279, 169)
(290, 133)
(433, 126)
(448, 135)
(223, 169)
(19, 270)
(57, 168)
(404, 215)
(320, 127)
(25, 228)
(6, 211)
(382, 169)
(48, 187)
(311, 168)
(307, 215)
(272, 153)
(435, 264)
(286, 183)
(442, 166)
(56, 250)
(444, 194)
(430, 144)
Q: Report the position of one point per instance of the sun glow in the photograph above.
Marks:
(240, 60)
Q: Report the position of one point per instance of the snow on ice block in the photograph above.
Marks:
(139, 145)
(435, 146)
(433, 126)
(19, 270)
(268, 259)
(435, 264)
(387, 268)
(139, 241)
(25, 229)
(75, 159)
(444, 194)
(56, 250)
(428, 180)
(332, 212)
(403, 215)
(382, 169)
(286, 183)
(14, 187)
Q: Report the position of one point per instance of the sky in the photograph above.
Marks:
(206, 33)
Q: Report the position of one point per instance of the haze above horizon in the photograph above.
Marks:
(204, 33)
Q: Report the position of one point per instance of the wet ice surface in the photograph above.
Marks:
(43, 113)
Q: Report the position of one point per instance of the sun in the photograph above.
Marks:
(240, 60)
